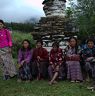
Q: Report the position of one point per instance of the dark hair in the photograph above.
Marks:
(76, 46)
(90, 40)
(29, 47)
(39, 41)
(1, 21)
(55, 44)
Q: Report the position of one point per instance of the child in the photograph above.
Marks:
(24, 58)
(9, 69)
(88, 55)
(40, 61)
(55, 60)
(73, 61)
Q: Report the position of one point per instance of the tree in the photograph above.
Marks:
(84, 15)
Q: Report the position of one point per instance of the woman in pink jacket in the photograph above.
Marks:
(5, 52)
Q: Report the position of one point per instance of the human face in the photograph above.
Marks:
(1, 25)
(38, 45)
(90, 44)
(25, 44)
(55, 48)
(72, 42)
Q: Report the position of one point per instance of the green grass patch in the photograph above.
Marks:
(41, 88)
(17, 38)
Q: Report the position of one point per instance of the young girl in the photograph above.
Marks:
(24, 58)
(73, 61)
(55, 60)
(88, 54)
(5, 52)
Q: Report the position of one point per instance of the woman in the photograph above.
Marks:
(40, 61)
(24, 60)
(73, 61)
(88, 55)
(9, 69)
(55, 61)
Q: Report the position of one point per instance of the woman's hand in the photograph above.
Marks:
(22, 62)
(89, 58)
(39, 58)
(52, 66)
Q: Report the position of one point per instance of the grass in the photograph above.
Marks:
(41, 88)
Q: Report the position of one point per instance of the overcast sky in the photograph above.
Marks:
(20, 10)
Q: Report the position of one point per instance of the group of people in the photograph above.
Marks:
(73, 63)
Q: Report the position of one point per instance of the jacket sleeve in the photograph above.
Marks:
(29, 57)
(19, 56)
(9, 38)
(60, 57)
(51, 58)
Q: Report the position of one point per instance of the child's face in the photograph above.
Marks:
(25, 44)
(72, 42)
(90, 44)
(1, 25)
(38, 45)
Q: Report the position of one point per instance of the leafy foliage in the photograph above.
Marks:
(84, 15)
(23, 27)
(18, 37)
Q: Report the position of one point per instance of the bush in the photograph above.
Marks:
(18, 37)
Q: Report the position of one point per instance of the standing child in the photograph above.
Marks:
(24, 58)
(5, 52)
(73, 61)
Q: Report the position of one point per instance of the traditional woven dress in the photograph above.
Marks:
(88, 55)
(73, 65)
(24, 69)
(8, 66)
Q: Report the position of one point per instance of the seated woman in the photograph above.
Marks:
(24, 58)
(72, 57)
(56, 61)
(88, 54)
(40, 61)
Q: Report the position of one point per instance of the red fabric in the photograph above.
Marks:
(56, 57)
(41, 52)
(73, 58)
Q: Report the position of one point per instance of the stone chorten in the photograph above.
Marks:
(53, 23)
(54, 7)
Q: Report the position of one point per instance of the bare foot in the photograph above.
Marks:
(50, 83)
(55, 82)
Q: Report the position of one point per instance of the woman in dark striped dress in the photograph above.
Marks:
(73, 61)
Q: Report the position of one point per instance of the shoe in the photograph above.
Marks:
(6, 77)
(90, 88)
(77, 81)
(72, 81)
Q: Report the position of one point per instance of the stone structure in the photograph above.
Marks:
(54, 22)
(54, 8)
